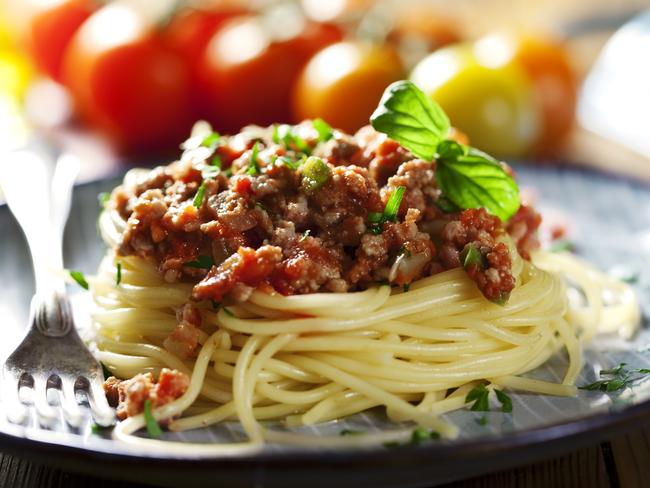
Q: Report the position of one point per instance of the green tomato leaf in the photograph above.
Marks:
(472, 179)
(408, 116)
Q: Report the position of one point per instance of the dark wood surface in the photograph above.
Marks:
(620, 462)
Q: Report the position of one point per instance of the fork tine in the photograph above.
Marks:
(71, 409)
(102, 412)
(47, 415)
(15, 411)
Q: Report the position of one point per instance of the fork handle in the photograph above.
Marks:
(40, 201)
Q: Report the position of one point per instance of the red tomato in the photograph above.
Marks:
(188, 34)
(248, 76)
(50, 29)
(190, 31)
(549, 68)
(127, 82)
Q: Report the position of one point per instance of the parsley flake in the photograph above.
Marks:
(118, 276)
(201, 262)
(479, 395)
(79, 277)
(620, 378)
(153, 429)
(254, 167)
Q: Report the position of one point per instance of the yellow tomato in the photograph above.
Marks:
(485, 94)
(343, 83)
(15, 73)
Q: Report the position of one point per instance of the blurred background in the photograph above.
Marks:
(121, 82)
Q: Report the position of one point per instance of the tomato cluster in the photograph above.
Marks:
(143, 79)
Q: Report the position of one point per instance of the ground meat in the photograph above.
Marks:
(475, 227)
(129, 395)
(255, 224)
(307, 267)
(247, 265)
(184, 339)
(522, 227)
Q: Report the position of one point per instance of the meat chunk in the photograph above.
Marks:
(184, 339)
(129, 395)
(477, 228)
(248, 266)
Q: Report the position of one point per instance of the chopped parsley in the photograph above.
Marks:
(200, 195)
(118, 276)
(472, 256)
(283, 134)
(480, 396)
(201, 262)
(562, 246)
(103, 198)
(153, 429)
(287, 161)
(390, 212)
(347, 432)
(406, 287)
(79, 277)
(254, 166)
(211, 140)
(618, 378)
(504, 400)
(325, 132)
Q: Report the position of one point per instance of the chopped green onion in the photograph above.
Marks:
(201, 262)
(472, 256)
(392, 205)
(118, 277)
(153, 429)
(315, 174)
(200, 195)
(325, 132)
(79, 277)
(390, 211)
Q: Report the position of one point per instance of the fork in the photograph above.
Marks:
(52, 354)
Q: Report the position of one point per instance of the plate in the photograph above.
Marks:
(609, 218)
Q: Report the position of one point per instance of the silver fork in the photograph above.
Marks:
(52, 355)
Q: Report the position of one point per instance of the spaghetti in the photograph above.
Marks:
(319, 357)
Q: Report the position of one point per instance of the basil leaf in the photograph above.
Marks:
(408, 116)
(472, 179)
